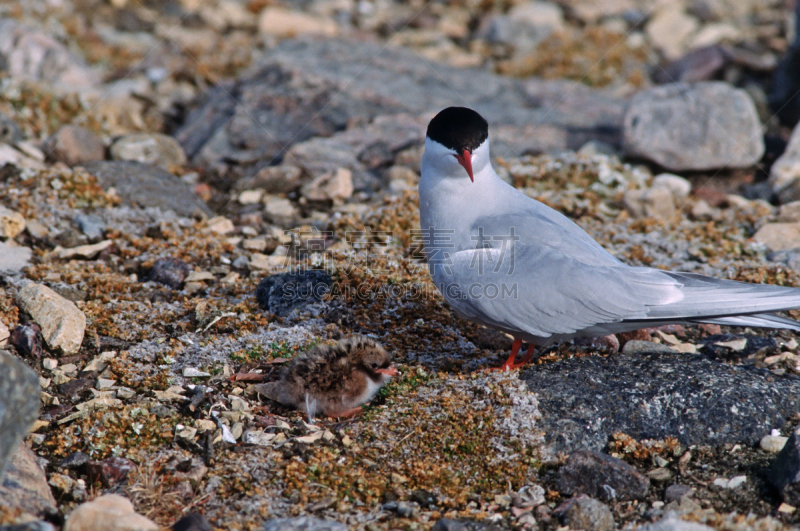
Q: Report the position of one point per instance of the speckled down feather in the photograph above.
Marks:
(332, 379)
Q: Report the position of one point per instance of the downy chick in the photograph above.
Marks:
(332, 379)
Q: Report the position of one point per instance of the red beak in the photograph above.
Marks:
(391, 371)
(465, 159)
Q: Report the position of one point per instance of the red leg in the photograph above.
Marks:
(509, 364)
(528, 355)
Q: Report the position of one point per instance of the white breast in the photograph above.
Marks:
(369, 393)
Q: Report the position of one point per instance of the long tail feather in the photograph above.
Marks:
(761, 320)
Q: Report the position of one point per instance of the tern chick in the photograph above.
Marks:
(332, 379)
(507, 261)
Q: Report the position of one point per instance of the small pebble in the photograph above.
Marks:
(773, 443)
(169, 271)
(677, 491)
(404, 510)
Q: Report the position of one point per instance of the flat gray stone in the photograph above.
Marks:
(14, 258)
(657, 395)
(62, 323)
(698, 126)
(24, 485)
(283, 292)
(783, 175)
(73, 145)
(601, 476)
(636, 346)
(149, 148)
(147, 185)
(589, 514)
(19, 404)
(27, 52)
(300, 89)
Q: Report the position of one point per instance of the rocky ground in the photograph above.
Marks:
(159, 160)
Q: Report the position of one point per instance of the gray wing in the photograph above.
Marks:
(539, 225)
(539, 292)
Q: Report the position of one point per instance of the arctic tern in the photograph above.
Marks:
(509, 262)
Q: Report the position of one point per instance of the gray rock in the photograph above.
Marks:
(13, 258)
(62, 323)
(694, 127)
(669, 30)
(10, 133)
(148, 185)
(779, 236)
(650, 203)
(653, 396)
(405, 510)
(322, 155)
(73, 145)
(671, 522)
(19, 404)
(335, 186)
(303, 523)
(588, 514)
(91, 225)
(676, 492)
(169, 271)
(784, 475)
(301, 89)
(601, 476)
(361, 149)
(109, 511)
(773, 443)
(525, 26)
(280, 209)
(784, 175)
(637, 346)
(678, 186)
(282, 293)
(702, 64)
(274, 179)
(34, 55)
(24, 485)
(149, 148)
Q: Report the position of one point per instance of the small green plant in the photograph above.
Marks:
(281, 350)
(313, 343)
(216, 368)
(251, 354)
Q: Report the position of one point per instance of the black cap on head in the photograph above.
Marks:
(458, 128)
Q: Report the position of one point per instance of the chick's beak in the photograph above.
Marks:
(465, 159)
(390, 371)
